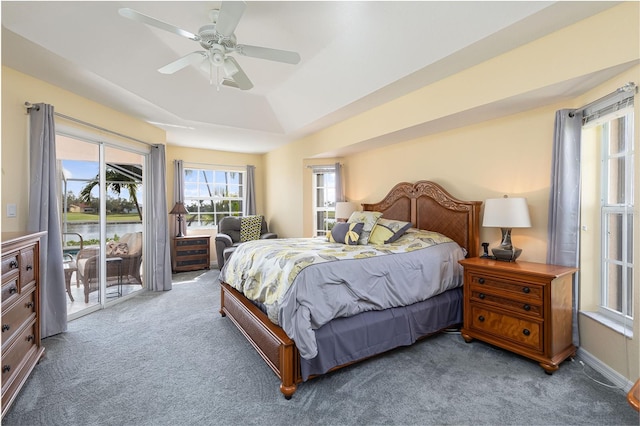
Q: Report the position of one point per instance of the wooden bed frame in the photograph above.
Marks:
(425, 204)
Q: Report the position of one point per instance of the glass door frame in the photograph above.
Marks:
(103, 143)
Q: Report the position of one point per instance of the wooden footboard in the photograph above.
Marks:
(269, 340)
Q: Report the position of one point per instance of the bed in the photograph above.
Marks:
(428, 207)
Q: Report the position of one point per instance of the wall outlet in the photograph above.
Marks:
(12, 210)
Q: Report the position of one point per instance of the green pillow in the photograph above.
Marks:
(345, 233)
(250, 228)
(387, 231)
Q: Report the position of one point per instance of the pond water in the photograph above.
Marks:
(91, 230)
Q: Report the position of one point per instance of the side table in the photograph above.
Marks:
(69, 268)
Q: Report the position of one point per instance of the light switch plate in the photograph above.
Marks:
(12, 210)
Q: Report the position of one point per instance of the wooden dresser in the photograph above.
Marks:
(21, 348)
(190, 253)
(522, 307)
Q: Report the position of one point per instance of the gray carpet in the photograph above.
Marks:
(171, 359)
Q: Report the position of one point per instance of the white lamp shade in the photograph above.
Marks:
(344, 209)
(506, 213)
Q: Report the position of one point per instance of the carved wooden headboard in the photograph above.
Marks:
(428, 206)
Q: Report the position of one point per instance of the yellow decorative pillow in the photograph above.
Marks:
(250, 228)
(387, 231)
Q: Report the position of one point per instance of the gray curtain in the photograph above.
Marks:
(339, 183)
(564, 203)
(158, 254)
(178, 195)
(44, 216)
(250, 207)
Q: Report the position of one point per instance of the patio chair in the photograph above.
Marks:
(124, 258)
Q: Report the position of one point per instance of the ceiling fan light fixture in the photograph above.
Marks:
(230, 68)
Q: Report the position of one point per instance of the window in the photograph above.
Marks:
(616, 204)
(210, 195)
(324, 203)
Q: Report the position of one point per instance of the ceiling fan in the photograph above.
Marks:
(218, 40)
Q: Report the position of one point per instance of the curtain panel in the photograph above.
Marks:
(564, 203)
(44, 215)
(159, 254)
(178, 196)
(339, 183)
(250, 205)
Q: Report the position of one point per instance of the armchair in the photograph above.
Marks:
(128, 248)
(228, 237)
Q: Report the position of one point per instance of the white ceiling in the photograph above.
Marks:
(355, 55)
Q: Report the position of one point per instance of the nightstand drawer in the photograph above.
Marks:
(524, 332)
(490, 283)
(517, 306)
(192, 242)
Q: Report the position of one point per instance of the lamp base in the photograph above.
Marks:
(506, 255)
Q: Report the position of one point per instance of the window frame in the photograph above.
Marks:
(329, 206)
(193, 203)
(625, 209)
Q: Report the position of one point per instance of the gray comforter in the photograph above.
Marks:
(305, 289)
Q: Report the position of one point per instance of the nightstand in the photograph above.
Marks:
(522, 307)
(190, 253)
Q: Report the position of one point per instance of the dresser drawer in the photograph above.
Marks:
(27, 265)
(526, 333)
(517, 306)
(515, 288)
(10, 263)
(20, 313)
(13, 358)
(10, 289)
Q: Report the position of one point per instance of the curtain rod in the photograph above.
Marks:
(30, 106)
(216, 165)
(629, 87)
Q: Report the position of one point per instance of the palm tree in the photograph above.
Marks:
(117, 177)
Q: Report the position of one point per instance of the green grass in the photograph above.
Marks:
(90, 217)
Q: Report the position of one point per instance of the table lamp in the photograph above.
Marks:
(179, 209)
(344, 210)
(506, 213)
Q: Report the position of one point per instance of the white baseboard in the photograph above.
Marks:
(610, 374)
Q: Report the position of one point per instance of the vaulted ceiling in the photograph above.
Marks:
(354, 56)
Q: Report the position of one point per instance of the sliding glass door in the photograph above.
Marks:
(101, 194)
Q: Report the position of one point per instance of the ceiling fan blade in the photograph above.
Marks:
(140, 17)
(235, 73)
(192, 58)
(229, 16)
(269, 54)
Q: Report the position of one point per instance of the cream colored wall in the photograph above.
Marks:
(18, 88)
(510, 155)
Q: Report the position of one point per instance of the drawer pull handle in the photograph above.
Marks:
(481, 280)
(481, 318)
(13, 264)
(526, 290)
(29, 304)
(6, 368)
(6, 327)
(481, 295)
(29, 267)
(30, 338)
(527, 307)
(13, 290)
(526, 332)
